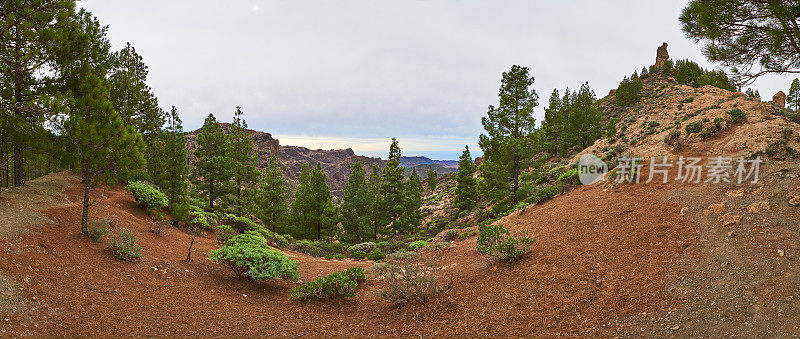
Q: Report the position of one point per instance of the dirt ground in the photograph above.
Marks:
(608, 261)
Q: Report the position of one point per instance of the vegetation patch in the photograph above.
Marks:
(248, 255)
(495, 240)
(341, 284)
(147, 196)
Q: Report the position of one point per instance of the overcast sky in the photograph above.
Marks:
(336, 74)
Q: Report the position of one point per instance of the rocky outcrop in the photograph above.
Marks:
(661, 55)
(779, 99)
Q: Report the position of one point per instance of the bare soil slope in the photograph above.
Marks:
(589, 273)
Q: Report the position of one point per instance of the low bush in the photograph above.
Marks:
(569, 177)
(376, 255)
(308, 247)
(202, 220)
(248, 255)
(123, 246)
(787, 133)
(672, 137)
(543, 194)
(694, 127)
(409, 276)
(364, 247)
(147, 195)
(712, 129)
(98, 229)
(737, 116)
(224, 233)
(340, 284)
(496, 240)
(417, 244)
(359, 255)
(241, 224)
(271, 237)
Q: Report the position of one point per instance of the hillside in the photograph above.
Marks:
(336, 162)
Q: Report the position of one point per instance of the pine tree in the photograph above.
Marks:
(392, 190)
(243, 158)
(312, 208)
(376, 218)
(507, 144)
(132, 97)
(29, 32)
(269, 199)
(173, 180)
(552, 129)
(431, 179)
(411, 216)
(794, 94)
(629, 91)
(107, 149)
(466, 185)
(585, 118)
(356, 205)
(611, 130)
(751, 37)
(213, 168)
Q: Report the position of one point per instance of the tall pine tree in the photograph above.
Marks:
(794, 95)
(269, 199)
(507, 144)
(431, 179)
(213, 168)
(392, 190)
(466, 185)
(243, 158)
(412, 201)
(356, 206)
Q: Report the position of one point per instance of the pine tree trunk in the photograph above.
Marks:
(515, 171)
(86, 179)
(19, 168)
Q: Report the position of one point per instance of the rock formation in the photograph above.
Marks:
(661, 55)
(779, 99)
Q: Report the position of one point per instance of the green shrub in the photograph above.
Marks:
(410, 276)
(712, 129)
(364, 247)
(653, 124)
(543, 194)
(202, 220)
(340, 284)
(376, 255)
(241, 224)
(123, 246)
(737, 116)
(147, 196)
(694, 127)
(249, 255)
(271, 237)
(569, 177)
(787, 133)
(98, 229)
(359, 255)
(308, 247)
(496, 240)
(224, 233)
(794, 117)
(417, 244)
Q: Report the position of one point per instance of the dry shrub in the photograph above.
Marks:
(410, 276)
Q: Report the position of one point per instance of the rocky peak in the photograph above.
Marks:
(661, 55)
(779, 99)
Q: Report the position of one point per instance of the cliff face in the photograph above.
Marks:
(335, 163)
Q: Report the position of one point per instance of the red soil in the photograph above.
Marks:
(600, 256)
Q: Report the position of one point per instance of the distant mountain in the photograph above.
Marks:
(335, 163)
(411, 162)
